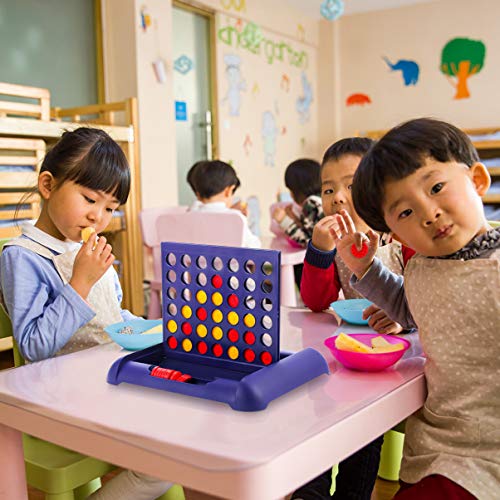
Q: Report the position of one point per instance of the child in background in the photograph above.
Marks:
(190, 180)
(303, 180)
(423, 181)
(215, 182)
(58, 293)
(323, 277)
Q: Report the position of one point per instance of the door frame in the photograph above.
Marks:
(210, 16)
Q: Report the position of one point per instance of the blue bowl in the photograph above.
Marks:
(351, 310)
(135, 341)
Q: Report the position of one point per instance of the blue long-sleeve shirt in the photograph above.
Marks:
(45, 312)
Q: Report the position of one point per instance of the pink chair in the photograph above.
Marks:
(210, 228)
(147, 223)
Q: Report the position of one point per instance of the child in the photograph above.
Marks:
(215, 182)
(303, 180)
(423, 181)
(323, 277)
(190, 180)
(59, 293)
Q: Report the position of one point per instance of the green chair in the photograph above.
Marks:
(62, 474)
(391, 455)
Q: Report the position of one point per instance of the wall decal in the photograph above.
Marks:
(269, 133)
(252, 39)
(255, 89)
(238, 5)
(409, 69)
(332, 9)
(285, 82)
(357, 99)
(183, 64)
(247, 144)
(304, 101)
(462, 58)
(236, 83)
(145, 18)
(301, 32)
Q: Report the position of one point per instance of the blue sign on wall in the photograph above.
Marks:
(180, 111)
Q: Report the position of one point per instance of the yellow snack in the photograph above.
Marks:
(345, 343)
(380, 345)
(86, 232)
(155, 329)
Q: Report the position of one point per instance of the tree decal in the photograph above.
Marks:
(462, 58)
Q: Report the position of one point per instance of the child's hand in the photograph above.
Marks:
(322, 237)
(380, 322)
(242, 206)
(345, 236)
(279, 214)
(289, 211)
(91, 262)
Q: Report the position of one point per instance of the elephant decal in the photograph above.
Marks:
(410, 70)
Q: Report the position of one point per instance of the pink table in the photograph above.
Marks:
(203, 444)
(290, 256)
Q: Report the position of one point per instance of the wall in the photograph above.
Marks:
(268, 86)
(417, 33)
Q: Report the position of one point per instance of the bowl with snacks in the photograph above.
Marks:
(368, 352)
(136, 334)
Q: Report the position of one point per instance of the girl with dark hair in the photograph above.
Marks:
(58, 292)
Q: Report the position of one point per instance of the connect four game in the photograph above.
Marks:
(221, 330)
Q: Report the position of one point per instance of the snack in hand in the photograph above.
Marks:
(86, 232)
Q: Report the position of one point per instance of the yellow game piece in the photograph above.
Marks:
(217, 299)
(233, 352)
(187, 345)
(171, 326)
(233, 318)
(155, 329)
(201, 296)
(249, 320)
(217, 332)
(86, 232)
(201, 330)
(380, 345)
(186, 312)
(217, 316)
(345, 343)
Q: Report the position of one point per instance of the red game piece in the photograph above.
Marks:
(266, 358)
(186, 328)
(202, 347)
(201, 314)
(175, 374)
(249, 338)
(172, 342)
(216, 281)
(232, 335)
(160, 372)
(249, 355)
(359, 253)
(232, 300)
(184, 377)
(217, 350)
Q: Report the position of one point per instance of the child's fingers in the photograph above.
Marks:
(349, 223)
(371, 309)
(373, 237)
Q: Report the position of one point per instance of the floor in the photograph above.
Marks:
(384, 490)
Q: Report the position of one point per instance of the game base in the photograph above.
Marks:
(244, 388)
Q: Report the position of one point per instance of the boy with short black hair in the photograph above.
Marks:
(215, 182)
(423, 181)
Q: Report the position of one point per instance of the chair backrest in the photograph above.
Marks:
(209, 228)
(147, 222)
(494, 223)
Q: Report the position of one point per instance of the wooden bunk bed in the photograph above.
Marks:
(32, 126)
